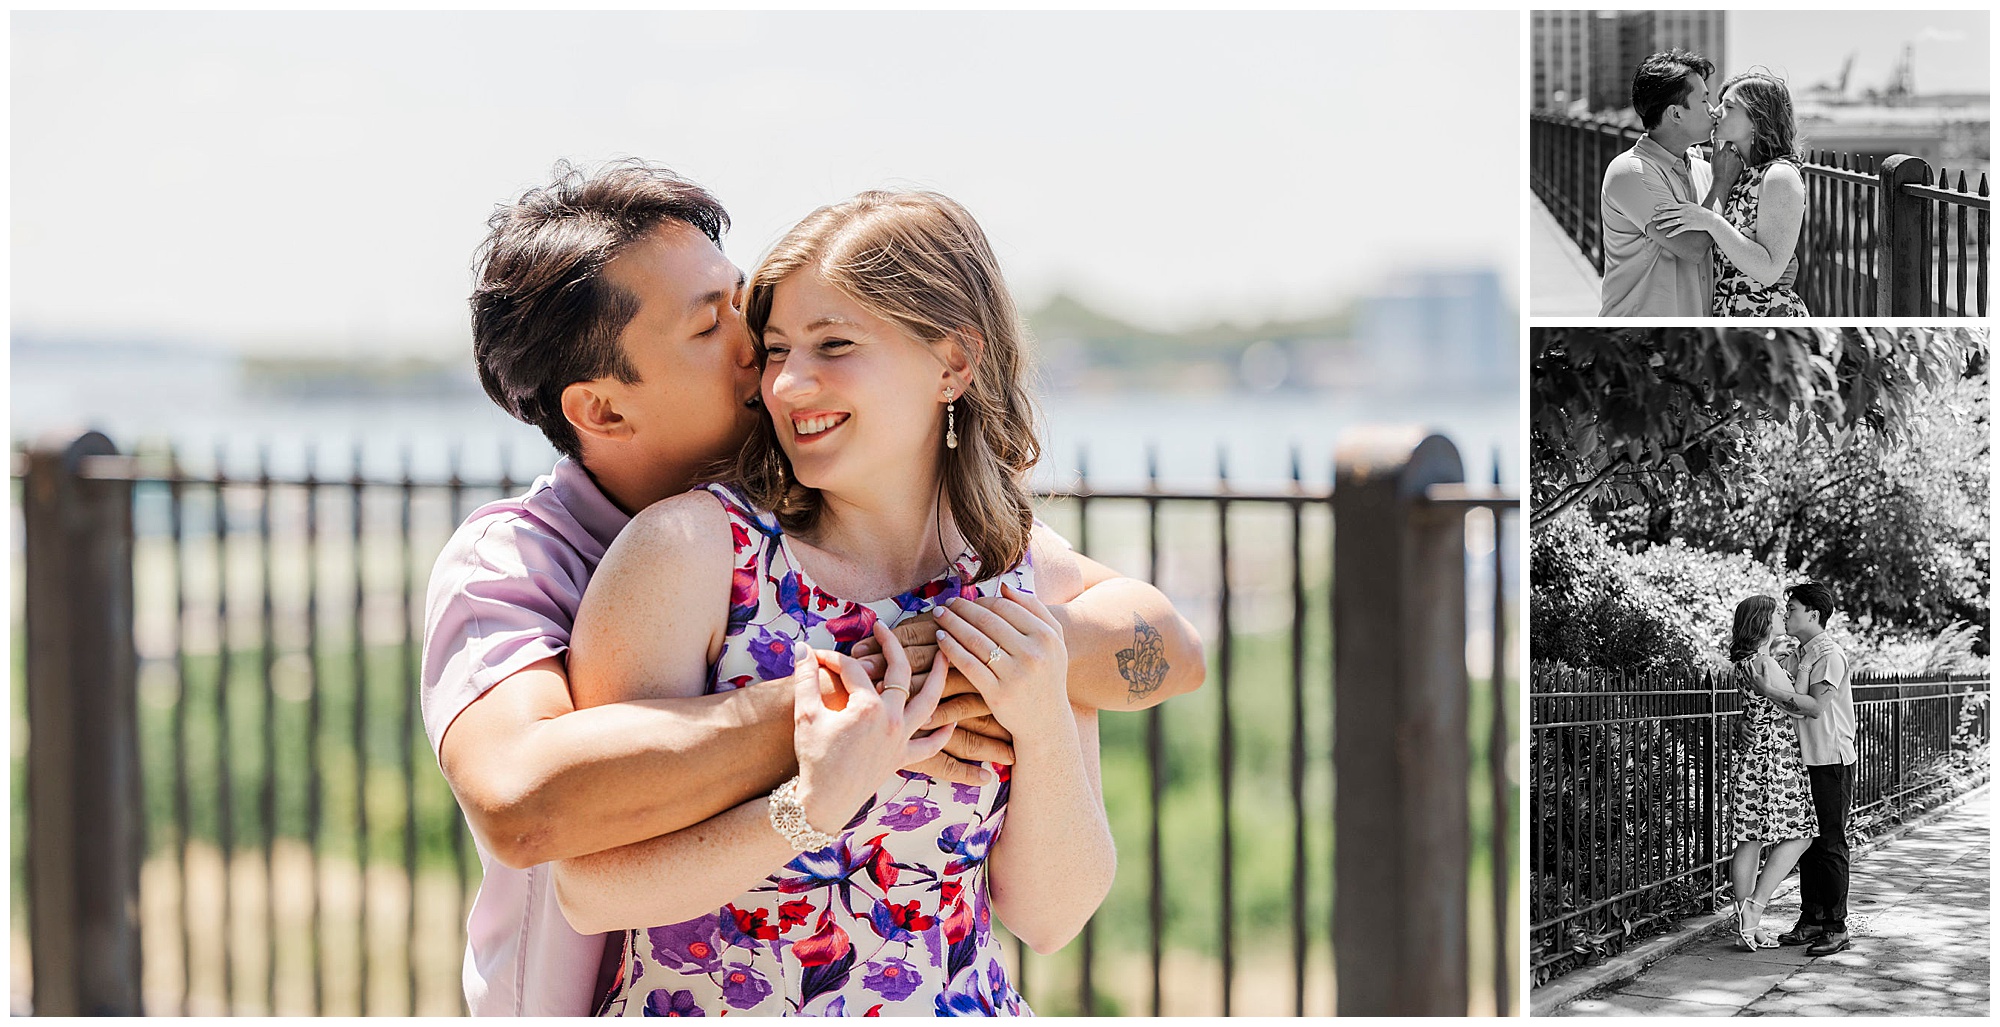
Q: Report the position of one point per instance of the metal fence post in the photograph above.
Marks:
(1903, 287)
(1896, 735)
(85, 826)
(1401, 742)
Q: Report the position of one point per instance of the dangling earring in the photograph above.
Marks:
(950, 420)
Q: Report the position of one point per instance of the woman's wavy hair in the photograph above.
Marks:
(1746, 636)
(919, 261)
(1774, 131)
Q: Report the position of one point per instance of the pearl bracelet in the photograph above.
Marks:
(788, 818)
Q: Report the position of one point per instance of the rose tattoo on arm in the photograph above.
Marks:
(1144, 666)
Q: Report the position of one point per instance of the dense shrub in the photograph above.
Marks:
(1592, 604)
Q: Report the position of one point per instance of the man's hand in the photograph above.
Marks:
(919, 637)
(979, 737)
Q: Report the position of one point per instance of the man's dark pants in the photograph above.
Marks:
(1823, 867)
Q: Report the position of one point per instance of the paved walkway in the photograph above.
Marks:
(1922, 943)
(1560, 282)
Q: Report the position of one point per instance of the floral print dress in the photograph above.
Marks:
(1770, 798)
(1736, 293)
(893, 919)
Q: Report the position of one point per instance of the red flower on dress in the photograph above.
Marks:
(851, 626)
(794, 913)
(752, 922)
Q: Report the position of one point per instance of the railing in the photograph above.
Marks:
(1626, 785)
(1896, 240)
(222, 673)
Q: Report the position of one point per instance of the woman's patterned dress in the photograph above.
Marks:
(892, 920)
(1769, 797)
(1737, 294)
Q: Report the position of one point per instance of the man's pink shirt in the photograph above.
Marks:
(504, 595)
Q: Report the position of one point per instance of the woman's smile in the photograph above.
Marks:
(813, 425)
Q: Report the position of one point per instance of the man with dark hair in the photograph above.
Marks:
(606, 314)
(1827, 741)
(1646, 271)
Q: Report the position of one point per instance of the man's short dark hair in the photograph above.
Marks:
(1662, 83)
(543, 315)
(1813, 596)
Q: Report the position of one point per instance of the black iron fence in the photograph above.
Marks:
(222, 674)
(1898, 239)
(1626, 786)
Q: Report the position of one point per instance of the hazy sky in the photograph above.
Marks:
(322, 180)
(1951, 49)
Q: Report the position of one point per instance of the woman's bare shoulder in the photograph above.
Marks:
(688, 532)
(1783, 179)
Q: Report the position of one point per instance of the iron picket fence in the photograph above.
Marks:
(1894, 239)
(294, 849)
(1626, 788)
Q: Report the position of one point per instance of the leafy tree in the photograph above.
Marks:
(1618, 413)
(1896, 525)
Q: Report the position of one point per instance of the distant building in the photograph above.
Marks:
(1562, 58)
(1644, 33)
(1453, 329)
(1589, 56)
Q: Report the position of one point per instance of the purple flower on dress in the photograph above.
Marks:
(822, 867)
(891, 978)
(996, 978)
(968, 846)
(964, 997)
(795, 598)
(909, 814)
(931, 593)
(742, 986)
(967, 794)
(773, 654)
(674, 1003)
(689, 945)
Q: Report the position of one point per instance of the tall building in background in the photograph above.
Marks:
(1643, 33)
(1562, 45)
(1589, 56)
(1610, 72)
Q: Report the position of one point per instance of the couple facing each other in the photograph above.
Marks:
(704, 774)
(1687, 237)
(1791, 776)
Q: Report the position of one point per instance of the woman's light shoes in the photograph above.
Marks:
(1749, 933)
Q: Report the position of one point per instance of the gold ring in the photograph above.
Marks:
(994, 655)
(905, 689)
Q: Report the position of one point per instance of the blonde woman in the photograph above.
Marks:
(888, 481)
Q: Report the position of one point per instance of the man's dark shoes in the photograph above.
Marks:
(1803, 934)
(1829, 943)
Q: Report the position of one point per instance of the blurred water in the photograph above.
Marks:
(200, 402)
